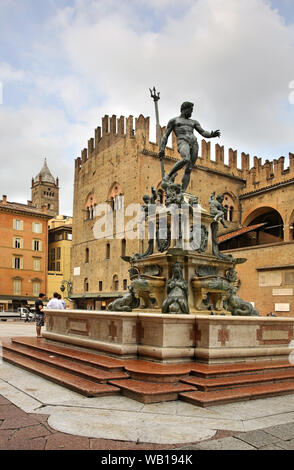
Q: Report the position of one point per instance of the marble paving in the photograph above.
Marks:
(120, 418)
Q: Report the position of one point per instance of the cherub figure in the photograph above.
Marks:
(148, 200)
(173, 191)
(217, 209)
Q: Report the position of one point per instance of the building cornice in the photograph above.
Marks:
(265, 189)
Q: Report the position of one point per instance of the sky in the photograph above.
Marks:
(64, 64)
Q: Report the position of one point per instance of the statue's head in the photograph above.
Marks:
(187, 109)
(220, 198)
(177, 270)
(232, 290)
(146, 199)
(231, 275)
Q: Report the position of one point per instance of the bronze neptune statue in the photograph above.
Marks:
(183, 128)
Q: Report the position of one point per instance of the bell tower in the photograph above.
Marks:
(45, 191)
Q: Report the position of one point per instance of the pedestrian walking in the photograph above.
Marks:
(55, 303)
(40, 314)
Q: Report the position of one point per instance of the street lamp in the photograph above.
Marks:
(68, 284)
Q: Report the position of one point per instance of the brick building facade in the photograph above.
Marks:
(23, 253)
(121, 161)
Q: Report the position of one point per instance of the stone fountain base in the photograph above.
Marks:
(169, 338)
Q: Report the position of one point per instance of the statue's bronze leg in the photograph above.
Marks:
(193, 154)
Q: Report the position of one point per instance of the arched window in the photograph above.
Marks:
(87, 255)
(90, 206)
(86, 285)
(108, 251)
(115, 196)
(229, 204)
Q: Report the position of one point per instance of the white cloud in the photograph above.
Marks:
(27, 137)
(9, 73)
(232, 58)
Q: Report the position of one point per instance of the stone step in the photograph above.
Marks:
(66, 379)
(105, 362)
(221, 397)
(215, 370)
(152, 372)
(210, 384)
(83, 370)
(147, 392)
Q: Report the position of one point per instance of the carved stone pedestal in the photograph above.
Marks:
(174, 338)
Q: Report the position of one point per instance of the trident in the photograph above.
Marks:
(156, 98)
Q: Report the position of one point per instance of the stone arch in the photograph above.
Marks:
(273, 230)
(257, 210)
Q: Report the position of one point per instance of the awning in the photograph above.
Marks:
(237, 233)
(271, 268)
(108, 295)
(100, 296)
(17, 298)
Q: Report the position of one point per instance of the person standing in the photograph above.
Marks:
(55, 303)
(62, 301)
(40, 314)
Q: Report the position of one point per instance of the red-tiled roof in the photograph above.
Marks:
(16, 206)
(240, 231)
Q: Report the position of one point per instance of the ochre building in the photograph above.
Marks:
(121, 161)
(59, 254)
